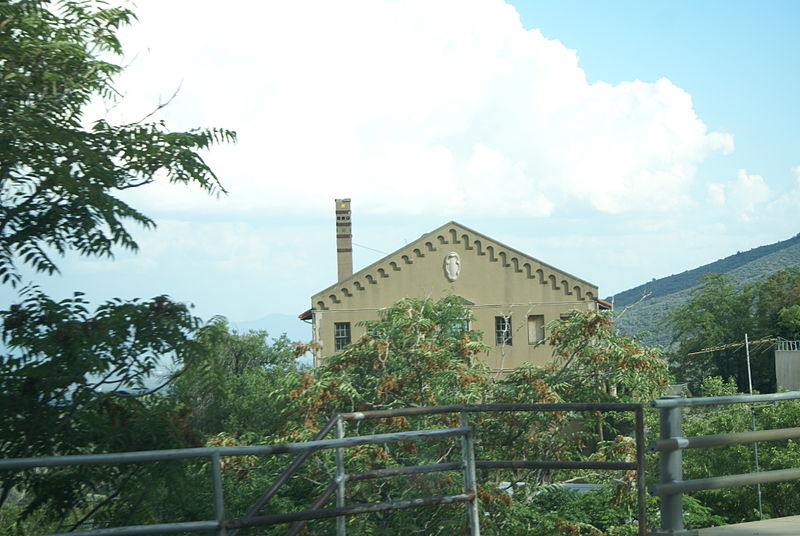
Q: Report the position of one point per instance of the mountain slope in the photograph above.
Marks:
(647, 304)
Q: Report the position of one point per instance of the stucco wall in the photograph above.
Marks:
(497, 280)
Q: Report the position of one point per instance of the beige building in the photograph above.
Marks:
(511, 295)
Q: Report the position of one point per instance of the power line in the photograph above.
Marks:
(733, 345)
(371, 249)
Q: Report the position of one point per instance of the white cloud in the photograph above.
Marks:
(409, 106)
(716, 193)
(746, 192)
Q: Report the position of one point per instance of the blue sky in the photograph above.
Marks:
(736, 58)
(620, 141)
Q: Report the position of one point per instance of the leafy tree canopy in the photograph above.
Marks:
(719, 314)
(71, 378)
(236, 388)
(58, 177)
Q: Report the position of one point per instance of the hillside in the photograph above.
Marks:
(643, 316)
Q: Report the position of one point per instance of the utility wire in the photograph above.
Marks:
(733, 345)
(371, 249)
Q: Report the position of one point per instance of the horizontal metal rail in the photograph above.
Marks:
(479, 408)
(719, 440)
(523, 464)
(718, 482)
(722, 400)
(249, 519)
(139, 530)
(399, 471)
(207, 452)
(671, 443)
(366, 508)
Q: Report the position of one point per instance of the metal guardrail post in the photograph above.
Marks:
(671, 470)
(219, 500)
(641, 499)
(470, 478)
(341, 527)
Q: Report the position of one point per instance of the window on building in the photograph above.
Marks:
(535, 329)
(502, 330)
(341, 334)
(456, 328)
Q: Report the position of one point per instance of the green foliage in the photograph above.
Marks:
(736, 505)
(237, 386)
(644, 317)
(65, 377)
(71, 379)
(417, 353)
(595, 363)
(719, 314)
(58, 178)
(715, 315)
(600, 512)
(776, 304)
(411, 356)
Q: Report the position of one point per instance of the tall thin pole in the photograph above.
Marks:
(753, 423)
(341, 527)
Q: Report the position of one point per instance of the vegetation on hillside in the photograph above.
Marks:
(718, 314)
(645, 312)
(690, 278)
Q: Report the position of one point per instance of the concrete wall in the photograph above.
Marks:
(787, 369)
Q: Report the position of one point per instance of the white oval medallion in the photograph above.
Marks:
(452, 266)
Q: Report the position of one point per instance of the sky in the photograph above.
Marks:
(620, 141)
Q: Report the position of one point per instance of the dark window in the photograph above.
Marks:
(456, 328)
(502, 330)
(341, 334)
(460, 326)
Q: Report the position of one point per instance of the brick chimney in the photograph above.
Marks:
(344, 239)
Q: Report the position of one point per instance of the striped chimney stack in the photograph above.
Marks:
(344, 239)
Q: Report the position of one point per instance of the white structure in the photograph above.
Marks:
(787, 365)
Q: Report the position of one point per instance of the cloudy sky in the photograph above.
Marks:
(621, 141)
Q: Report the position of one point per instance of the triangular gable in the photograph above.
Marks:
(453, 233)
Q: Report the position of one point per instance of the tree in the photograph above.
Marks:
(418, 353)
(58, 178)
(718, 314)
(776, 305)
(592, 362)
(715, 315)
(235, 389)
(71, 379)
(412, 356)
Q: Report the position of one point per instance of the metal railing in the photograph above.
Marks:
(220, 524)
(671, 442)
(337, 486)
(787, 346)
